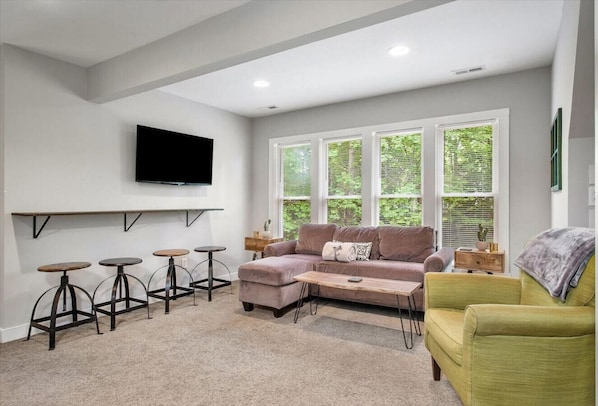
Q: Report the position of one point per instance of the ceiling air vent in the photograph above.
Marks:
(468, 70)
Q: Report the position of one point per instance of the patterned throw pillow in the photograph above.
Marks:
(363, 250)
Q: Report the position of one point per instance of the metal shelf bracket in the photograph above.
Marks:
(37, 232)
(130, 225)
(200, 213)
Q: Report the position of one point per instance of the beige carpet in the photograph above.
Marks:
(217, 354)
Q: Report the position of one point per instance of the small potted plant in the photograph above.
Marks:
(267, 234)
(482, 244)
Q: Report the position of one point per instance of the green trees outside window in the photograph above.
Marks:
(296, 200)
(468, 194)
(344, 182)
(466, 181)
(400, 201)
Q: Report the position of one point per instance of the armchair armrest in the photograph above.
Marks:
(531, 321)
(278, 249)
(540, 354)
(439, 260)
(457, 291)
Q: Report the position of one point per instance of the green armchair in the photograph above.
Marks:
(506, 341)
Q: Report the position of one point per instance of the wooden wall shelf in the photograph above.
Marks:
(138, 214)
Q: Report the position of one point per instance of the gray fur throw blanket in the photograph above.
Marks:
(557, 257)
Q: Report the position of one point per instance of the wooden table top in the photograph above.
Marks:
(171, 252)
(64, 266)
(388, 286)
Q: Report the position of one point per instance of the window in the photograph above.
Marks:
(468, 188)
(344, 182)
(296, 188)
(400, 162)
(450, 173)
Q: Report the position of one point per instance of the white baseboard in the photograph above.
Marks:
(16, 333)
(20, 332)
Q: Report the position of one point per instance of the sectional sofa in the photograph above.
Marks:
(389, 252)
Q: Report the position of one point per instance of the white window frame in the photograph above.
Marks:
(499, 119)
(370, 171)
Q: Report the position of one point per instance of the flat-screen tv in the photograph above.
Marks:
(173, 158)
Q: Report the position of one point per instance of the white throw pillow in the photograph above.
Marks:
(339, 251)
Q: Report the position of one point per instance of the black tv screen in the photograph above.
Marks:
(173, 158)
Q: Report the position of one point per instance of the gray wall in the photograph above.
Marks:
(526, 94)
(572, 84)
(62, 153)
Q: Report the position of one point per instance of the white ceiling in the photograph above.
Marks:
(500, 35)
(86, 32)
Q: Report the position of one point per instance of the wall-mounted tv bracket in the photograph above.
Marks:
(48, 215)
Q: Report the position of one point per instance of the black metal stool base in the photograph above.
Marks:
(164, 294)
(113, 313)
(210, 279)
(171, 291)
(221, 283)
(74, 313)
(120, 280)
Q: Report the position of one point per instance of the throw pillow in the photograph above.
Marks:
(363, 250)
(339, 251)
(329, 250)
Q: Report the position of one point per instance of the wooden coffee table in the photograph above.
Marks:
(388, 286)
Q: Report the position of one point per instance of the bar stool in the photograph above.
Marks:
(210, 249)
(121, 279)
(61, 290)
(171, 283)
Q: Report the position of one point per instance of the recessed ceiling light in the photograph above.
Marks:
(398, 50)
(261, 83)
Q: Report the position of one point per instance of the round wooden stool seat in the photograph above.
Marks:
(210, 248)
(171, 253)
(120, 261)
(64, 266)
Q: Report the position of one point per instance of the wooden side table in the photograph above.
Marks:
(474, 260)
(257, 244)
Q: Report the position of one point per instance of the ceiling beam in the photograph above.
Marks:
(254, 30)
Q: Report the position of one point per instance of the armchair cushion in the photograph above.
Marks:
(447, 326)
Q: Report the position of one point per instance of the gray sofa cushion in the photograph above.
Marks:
(275, 271)
(410, 244)
(359, 234)
(312, 238)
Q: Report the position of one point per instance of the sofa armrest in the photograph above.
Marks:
(531, 321)
(439, 260)
(457, 291)
(279, 249)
